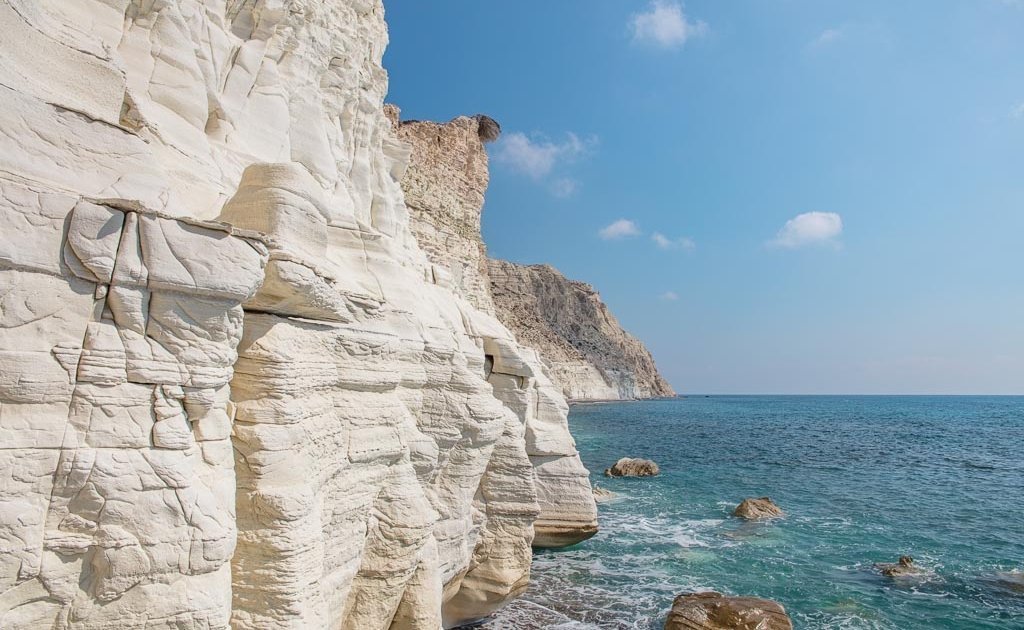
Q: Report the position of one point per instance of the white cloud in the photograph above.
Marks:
(826, 37)
(619, 229)
(671, 296)
(810, 228)
(665, 25)
(564, 187)
(1017, 112)
(538, 157)
(664, 242)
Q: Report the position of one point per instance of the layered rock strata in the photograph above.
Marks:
(287, 418)
(444, 189)
(588, 353)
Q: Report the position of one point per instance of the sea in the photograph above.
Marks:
(862, 480)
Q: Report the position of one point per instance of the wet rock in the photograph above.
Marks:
(602, 495)
(714, 611)
(757, 509)
(632, 467)
(905, 566)
(1007, 581)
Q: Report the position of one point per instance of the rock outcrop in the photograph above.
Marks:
(714, 611)
(756, 509)
(901, 568)
(632, 467)
(588, 353)
(444, 188)
(234, 391)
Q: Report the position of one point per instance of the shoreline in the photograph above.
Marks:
(579, 402)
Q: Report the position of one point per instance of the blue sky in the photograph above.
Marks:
(777, 196)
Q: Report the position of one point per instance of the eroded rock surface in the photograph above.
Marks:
(755, 509)
(901, 568)
(632, 467)
(589, 354)
(285, 419)
(444, 188)
(714, 611)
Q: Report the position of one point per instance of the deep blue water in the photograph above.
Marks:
(862, 480)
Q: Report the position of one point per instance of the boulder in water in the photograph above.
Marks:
(632, 467)
(905, 566)
(714, 611)
(603, 494)
(754, 509)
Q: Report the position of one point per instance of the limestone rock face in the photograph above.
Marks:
(444, 188)
(233, 389)
(713, 611)
(589, 354)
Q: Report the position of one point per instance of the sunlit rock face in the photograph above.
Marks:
(444, 188)
(588, 353)
(233, 389)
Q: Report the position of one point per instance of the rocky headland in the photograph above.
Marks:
(589, 354)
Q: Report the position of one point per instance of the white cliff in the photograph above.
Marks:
(444, 189)
(234, 391)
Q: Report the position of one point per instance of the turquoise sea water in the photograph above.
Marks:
(862, 480)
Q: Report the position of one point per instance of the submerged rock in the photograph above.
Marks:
(632, 467)
(602, 494)
(905, 566)
(1007, 581)
(714, 611)
(754, 509)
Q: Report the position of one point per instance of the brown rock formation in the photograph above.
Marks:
(632, 467)
(757, 509)
(714, 611)
(903, 567)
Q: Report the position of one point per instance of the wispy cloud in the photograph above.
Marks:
(619, 229)
(670, 296)
(685, 243)
(1017, 112)
(826, 37)
(538, 156)
(810, 228)
(564, 187)
(665, 25)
